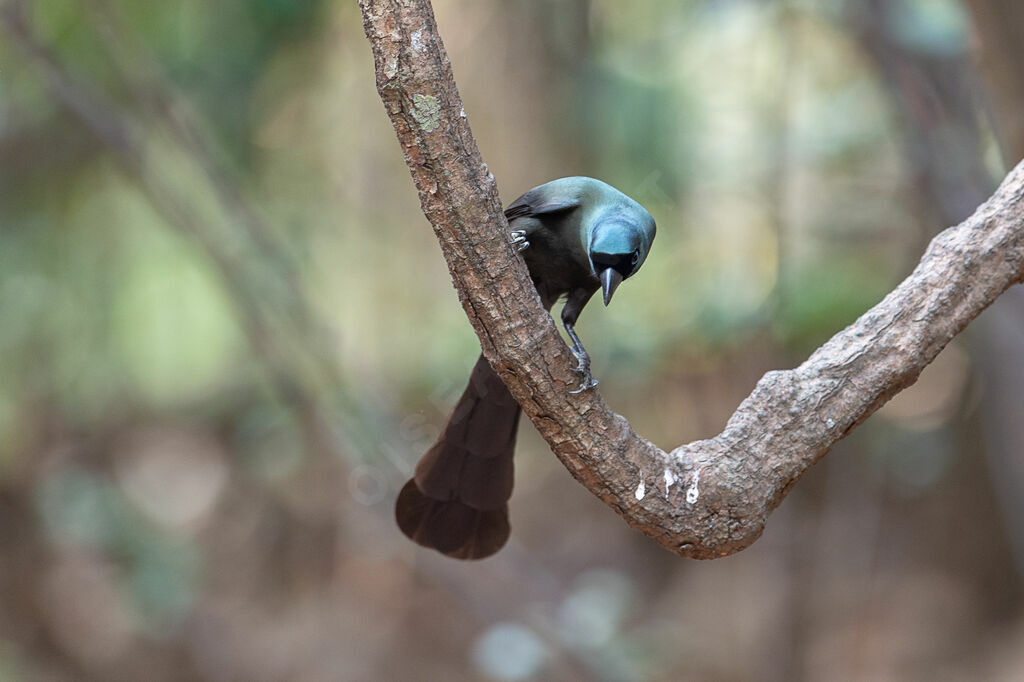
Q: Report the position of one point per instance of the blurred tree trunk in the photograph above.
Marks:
(999, 45)
(936, 96)
(999, 28)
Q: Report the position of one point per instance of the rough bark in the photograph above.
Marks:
(709, 498)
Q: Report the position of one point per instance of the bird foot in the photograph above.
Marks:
(519, 240)
(583, 369)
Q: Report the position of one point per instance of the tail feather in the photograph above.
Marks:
(451, 528)
(449, 471)
(457, 502)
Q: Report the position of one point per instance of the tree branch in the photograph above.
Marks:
(709, 498)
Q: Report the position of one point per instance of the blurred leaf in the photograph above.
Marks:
(823, 298)
(938, 27)
(510, 651)
(82, 508)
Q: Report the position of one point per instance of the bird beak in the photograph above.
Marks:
(610, 280)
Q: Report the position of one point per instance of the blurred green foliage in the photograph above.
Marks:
(233, 253)
(112, 301)
(84, 509)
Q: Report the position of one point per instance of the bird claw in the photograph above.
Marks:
(583, 369)
(588, 383)
(519, 240)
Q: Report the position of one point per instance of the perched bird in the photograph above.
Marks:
(577, 235)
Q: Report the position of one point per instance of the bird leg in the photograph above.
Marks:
(519, 240)
(582, 358)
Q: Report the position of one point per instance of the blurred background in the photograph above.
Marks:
(227, 334)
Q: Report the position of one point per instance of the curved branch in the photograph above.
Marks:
(709, 498)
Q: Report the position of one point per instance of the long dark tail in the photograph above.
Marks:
(457, 503)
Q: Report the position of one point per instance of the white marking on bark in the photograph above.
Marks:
(692, 493)
(641, 490)
(670, 478)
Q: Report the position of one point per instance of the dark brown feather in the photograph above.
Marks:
(457, 501)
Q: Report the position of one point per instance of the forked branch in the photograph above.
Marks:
(709, 498)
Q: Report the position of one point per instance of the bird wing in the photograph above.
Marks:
(532, 205)
(528, 212)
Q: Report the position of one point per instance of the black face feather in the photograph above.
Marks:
(623, 263)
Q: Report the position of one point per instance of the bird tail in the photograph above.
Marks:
(457, 502)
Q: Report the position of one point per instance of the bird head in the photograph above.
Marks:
(619, 246)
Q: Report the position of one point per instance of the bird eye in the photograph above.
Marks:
(636, 257)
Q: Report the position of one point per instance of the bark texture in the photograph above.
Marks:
(710, 498)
